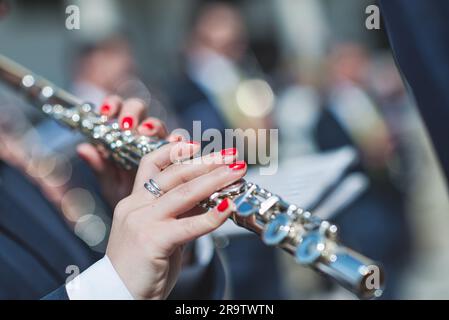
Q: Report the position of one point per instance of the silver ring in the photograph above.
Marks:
(154, 188)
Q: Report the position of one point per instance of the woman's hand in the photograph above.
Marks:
(116, 182)
(148, 233)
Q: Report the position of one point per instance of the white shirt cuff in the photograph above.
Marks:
(99, 282)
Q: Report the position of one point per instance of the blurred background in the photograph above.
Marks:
(309, 68)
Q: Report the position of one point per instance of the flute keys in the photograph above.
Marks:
(47, 108)
(277, 230)
(100, 131)
(86, 107)
(46, 93)
(246, 204)
(247, 207)
(268, 204)
(311, 248)
(28, 81)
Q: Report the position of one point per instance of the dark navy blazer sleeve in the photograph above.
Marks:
(418, 31)
(58, 294)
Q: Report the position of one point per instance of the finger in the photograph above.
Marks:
(185, 196)
(92, 156)
(190, 228)
(224, 156)
(153, 127)
(111, 106)
(156, 161)
(175, 138)
(193, 212)
(179, 173)
(131, 112)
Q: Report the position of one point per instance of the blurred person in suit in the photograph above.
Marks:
(99, 68)
(39, 247)
(215, 65)
(376, 223)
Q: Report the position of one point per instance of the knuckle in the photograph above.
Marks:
(135, 104)
(185, 193)
(189, 227)
(183, 174)
(147, 159)
(212, 221)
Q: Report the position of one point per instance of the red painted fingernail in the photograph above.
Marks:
(229, 152)
(193, 142)
(223, 205)
(127, 123)
(239, 165)
(148, 125)
(105, 109)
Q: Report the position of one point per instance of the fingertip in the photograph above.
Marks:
(152, 127)
(131, 112)
(149, 128)
(111, 105)
(224, 208)
(83, 150)
(238, 166)
(229, 152)
(183, 150)
(175, 138)
(126, 122)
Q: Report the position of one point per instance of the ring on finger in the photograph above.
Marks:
(154, 188)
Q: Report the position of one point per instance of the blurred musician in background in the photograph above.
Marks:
(216, 67)
(351, 117)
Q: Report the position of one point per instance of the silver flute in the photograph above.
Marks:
(312, 241)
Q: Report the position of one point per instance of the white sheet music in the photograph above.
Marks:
(304, 180)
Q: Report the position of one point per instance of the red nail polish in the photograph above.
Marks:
(223, 205)
(105, 109)
(239, 165)
(229, 152)
(149, 125)
(193, 143)
(127, 123)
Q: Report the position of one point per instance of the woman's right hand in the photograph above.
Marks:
(148, 233)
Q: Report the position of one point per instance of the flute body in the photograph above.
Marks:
(312, 241)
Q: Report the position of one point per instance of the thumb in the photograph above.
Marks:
(190, 228)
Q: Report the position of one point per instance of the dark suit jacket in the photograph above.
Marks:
(419, 35)
(191, 104)
(36, 245)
